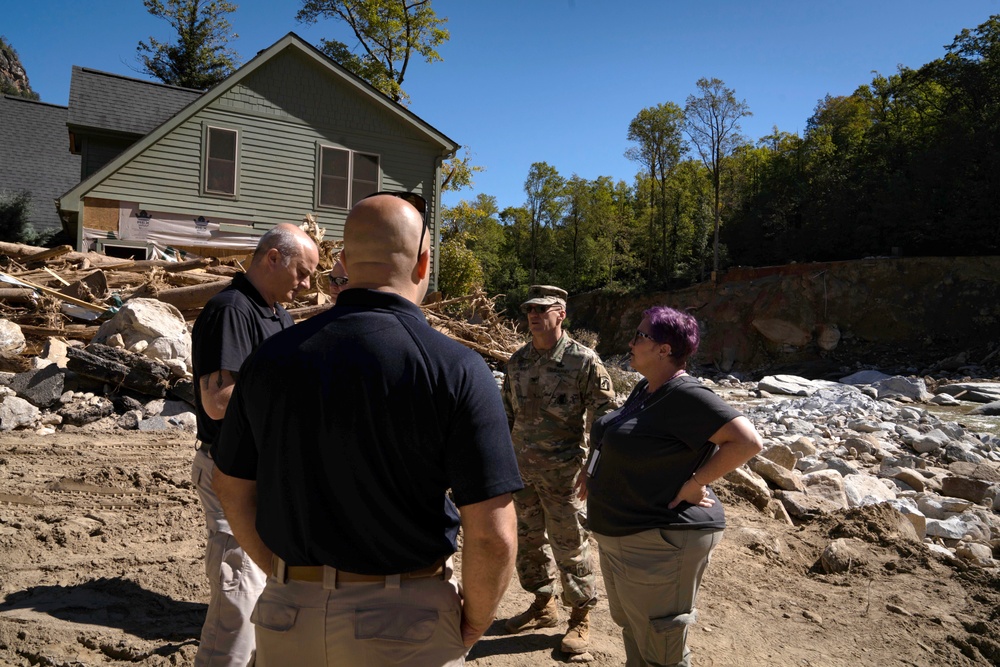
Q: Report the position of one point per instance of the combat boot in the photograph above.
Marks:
(577, 638)
(543, 613)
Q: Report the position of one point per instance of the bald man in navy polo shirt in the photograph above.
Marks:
(344, 437)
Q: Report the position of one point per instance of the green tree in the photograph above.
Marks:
(200, 58)
(17, 84)
(712, 121)
(544, 187)
(460, 272)
(388, 33)
(459, 171)
(656, 132)
(478, 225)
(15, 207)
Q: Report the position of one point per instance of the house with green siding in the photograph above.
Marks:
(290, 133)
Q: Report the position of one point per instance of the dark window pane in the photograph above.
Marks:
(220, 167)
(365, 177)
(334, 169)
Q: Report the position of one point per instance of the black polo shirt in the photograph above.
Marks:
(354, 424)
(231, 326)
(648, 449)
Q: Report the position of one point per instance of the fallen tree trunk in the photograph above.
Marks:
(22, 253)
(17, 294)
(74, 331)
(143, 265)
(48, 253)
(184, 298)
(119, 368)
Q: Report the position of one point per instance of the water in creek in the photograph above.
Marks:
(960, 414)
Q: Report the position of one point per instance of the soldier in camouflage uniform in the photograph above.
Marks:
(550, 384)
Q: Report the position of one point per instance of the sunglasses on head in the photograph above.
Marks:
(535, 308)
(417, 202)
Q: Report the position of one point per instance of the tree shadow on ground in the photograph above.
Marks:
(113, 603)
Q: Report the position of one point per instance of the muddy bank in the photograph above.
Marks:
(917, 315)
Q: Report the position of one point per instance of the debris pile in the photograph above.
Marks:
(86, 338)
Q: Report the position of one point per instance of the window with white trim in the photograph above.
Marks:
(221, 161)
(345, 177)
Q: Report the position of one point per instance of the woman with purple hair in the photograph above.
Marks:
(649, 503)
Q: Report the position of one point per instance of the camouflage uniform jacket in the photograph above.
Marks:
(547, 395)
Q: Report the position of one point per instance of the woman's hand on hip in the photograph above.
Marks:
(694, 493)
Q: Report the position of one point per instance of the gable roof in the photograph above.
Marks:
(109, 102)
(34, 156)
(70, 201)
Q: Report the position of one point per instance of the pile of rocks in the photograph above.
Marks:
(134, 375)
(867, 440)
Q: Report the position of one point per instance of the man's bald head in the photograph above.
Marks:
(380, 247)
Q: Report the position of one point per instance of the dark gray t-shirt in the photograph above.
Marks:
(648, 449)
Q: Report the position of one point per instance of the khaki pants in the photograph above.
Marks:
(652, 580)
(412, 622)
(227, 637)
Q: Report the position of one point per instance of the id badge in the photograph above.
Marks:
(592, 466)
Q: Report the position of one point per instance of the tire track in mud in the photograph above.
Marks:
(79, 491)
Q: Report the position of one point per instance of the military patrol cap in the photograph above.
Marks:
(545, 295)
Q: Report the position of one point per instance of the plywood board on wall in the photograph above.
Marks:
(101, 214)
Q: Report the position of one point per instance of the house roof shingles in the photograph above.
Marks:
(113, 103)
(34, 156)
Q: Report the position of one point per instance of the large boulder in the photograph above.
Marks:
(793, 385)
(863, 489)
(153, 328)
(912, 388)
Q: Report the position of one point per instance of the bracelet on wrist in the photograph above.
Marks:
(694, 476)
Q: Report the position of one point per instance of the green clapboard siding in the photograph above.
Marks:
(282, 111)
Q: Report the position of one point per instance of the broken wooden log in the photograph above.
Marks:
(72, 331)
(119, 368)
(17, 294)
(22, 252)
(184, 298)
(47, 254)
(143, 265)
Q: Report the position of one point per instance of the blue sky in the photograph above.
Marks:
(558, 81)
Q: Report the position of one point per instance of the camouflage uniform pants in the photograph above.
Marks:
(551, 536)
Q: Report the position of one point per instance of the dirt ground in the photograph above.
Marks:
(101, 545)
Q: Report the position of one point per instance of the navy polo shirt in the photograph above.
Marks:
(231, 326)
(355, 424)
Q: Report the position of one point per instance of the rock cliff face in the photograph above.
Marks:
(13, 78)
(942, 311)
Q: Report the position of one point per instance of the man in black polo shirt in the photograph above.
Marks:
(344, 436)
(232, 324)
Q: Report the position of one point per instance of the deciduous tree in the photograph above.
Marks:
(659, 144)
(712, 121)
(388, 33)
(544, 187)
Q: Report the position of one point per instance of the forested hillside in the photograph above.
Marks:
(906, 164)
